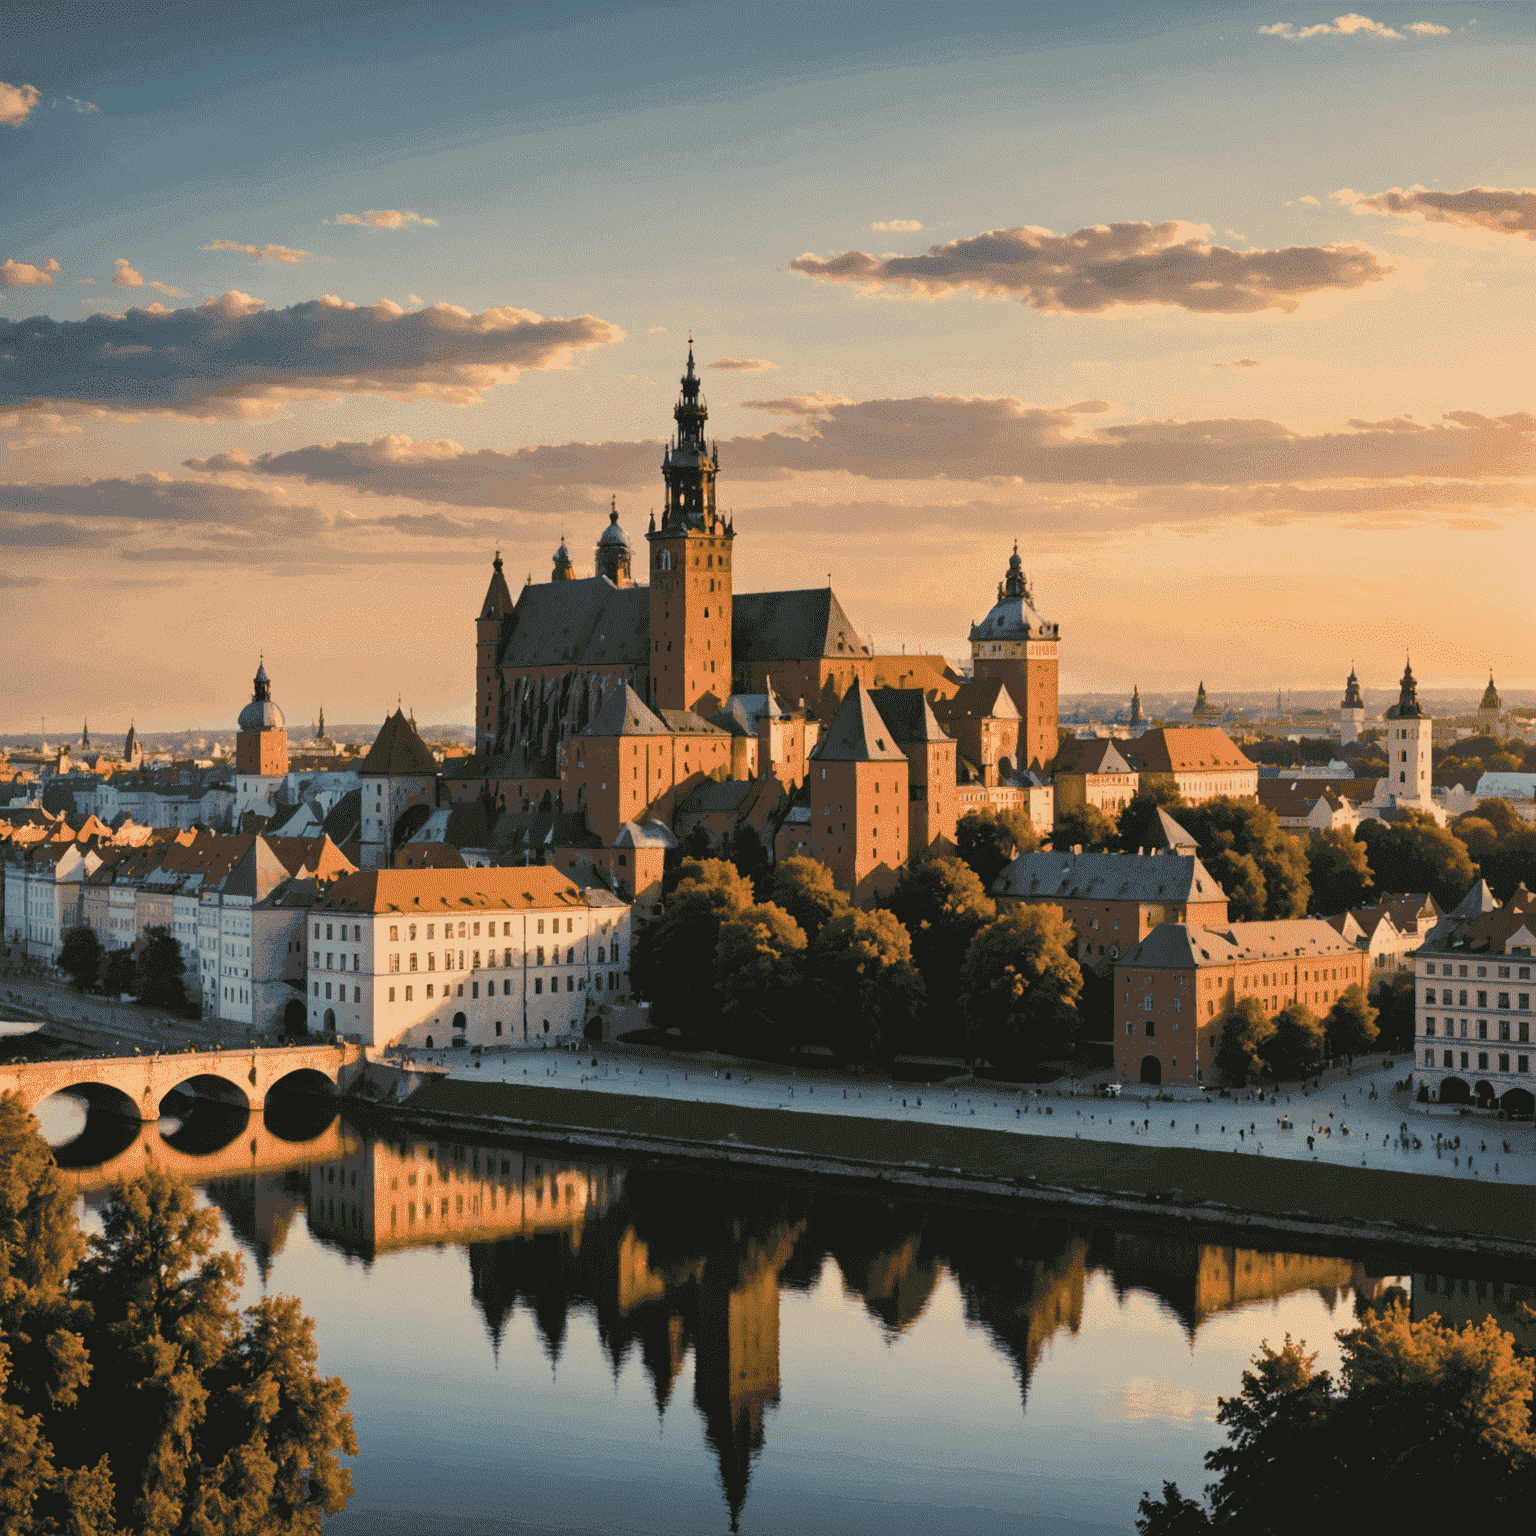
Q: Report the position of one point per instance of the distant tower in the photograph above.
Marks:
(1410, 734)
(85, 737)
(320, 729)
(1204, 713)
(1018, 648)
(564, 570)
(1138, 723)
(261, 747)
(133, 753)
(1489, 710)
(494, 611)
(613, 550)
(690, 564)
(1351, 711)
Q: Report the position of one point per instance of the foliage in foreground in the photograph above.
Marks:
(134, 1396)
(1427, 1428)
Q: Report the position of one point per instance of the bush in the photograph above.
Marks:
(1019, 987)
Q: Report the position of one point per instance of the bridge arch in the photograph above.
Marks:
(213, 1087)
(306, 1080)
(1454, 1090)
(1518, 1101)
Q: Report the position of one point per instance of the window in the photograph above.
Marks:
(430, 928)
(411, 931)
(1482, 999)
(391, 994)
(541, 930)
(1503, 1061)
(408, 992)
(1429, 1058)
(538, 985)
(429, 989)
(394, 962)
(413, 962)
(394, 934)
(1503, 999)
(1429, 1027)
(1523, 1063)
(1151, 1028)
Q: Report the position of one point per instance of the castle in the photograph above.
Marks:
(640, 704)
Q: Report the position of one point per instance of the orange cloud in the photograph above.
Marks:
(283, 253)
(385, 218)
(1105, 266)
(16, 103)
(1504, 210)
(19, 274)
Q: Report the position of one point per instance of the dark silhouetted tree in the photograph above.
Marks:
(760, 981)
(989, 841)
(80, 958)
(1019, 987)
(1240, 1047)
(119, 972)
(159, 977)
(1087, 827)
(1351, 1024)
(868, 994)
(804, 888)
(1138, 826)
(941, 904)
(1293, 1049)
(1237, 837)
(1415, 854)
(1337, 871)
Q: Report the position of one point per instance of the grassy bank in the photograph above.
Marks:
(1272, 1195)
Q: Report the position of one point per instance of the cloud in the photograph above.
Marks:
(1102, 266)
(283, 253)
(385, 218)
(82, 106)
(942, 440)
(1504, 210)
(1309, 200)
(657, 330)
(744, 364)
(124, 276)
(1352, 25)
(16, 103)
(233, 358)
(897, 226)
(19, 274)
(1241, 362)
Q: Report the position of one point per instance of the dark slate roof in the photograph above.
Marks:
(786, 626)
(984, 699)
(625, 713)
(588, 622)
(683, 722)
(734, 719)
(517, 830)
(1170, 833)
(258, 873)
(1090, 754)
(1109, 877)
(908, 713)
(345, 823)
(398, 751)
(1476, 902)
(1180, 946)
(467, 826)
(712, 796)
(857, 733)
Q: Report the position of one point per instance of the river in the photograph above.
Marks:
(540, 1344)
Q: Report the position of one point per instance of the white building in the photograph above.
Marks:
(432, 957)
(1473, 1015)
(42, 896)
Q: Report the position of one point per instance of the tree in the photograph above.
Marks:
(159, 976)
(1138, 825)
(80, 957)
(1293, 1049)
(1019, 987)
(1237, 838)
(804, 888)
(1337, 871)
(748, 854)
(1239, 1051)
(868, 994)
(1427, 1427)
(1394, 999)
(759, 980)
(1351, 1024)
(672, 964)
(118, 972)
(1087, 827)
(988, 841)
(941, 904)
(1415, 854)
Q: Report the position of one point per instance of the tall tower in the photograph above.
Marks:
(690, 568)
(1488, 710)
(564, 570)
(496, 608)
(1015, 646)
(1351, 711)
(261, 745)
(1410, 735)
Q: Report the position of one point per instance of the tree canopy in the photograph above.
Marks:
(759, 979)
(1019, 988)
(1293, 1049)
(1337, 871)
(134, 1396)
(1138, 826)
(1351, 1023)
(1428, 1427)
(80, 958)
(159, 973)
(1261, 867)
(1087, 827)
(1415, 854)
(941, 904)
(869, 996)
(1240, 1046)
(989, 840)
(804, 888)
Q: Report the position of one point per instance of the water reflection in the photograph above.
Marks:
(670, 1265)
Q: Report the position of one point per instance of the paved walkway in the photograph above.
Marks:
(1357, 1120)
(102, 1023)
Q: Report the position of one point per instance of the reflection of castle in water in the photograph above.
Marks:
(667, 1263)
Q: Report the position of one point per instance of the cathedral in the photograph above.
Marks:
(719, 686)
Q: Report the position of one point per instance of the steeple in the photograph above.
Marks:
(564, 570)
(690, 464)
(85, 737)
(1408, 695)
(1135, 705)
(1490, 695)
(1352, 699)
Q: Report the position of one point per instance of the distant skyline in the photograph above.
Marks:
(1209, 306)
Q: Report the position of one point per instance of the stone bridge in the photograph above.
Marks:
(136, 1086)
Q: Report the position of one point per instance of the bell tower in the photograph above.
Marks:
(1410, 735)
(494, 612)
(690, 568)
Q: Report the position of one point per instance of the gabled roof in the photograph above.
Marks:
(787, 626)
(468, 826)
(517, 832)
(1179, 946)
(908, 713)
(734, 719)
(1090, 754)
(1179, 750)
(980, 699)
(430, 891)
(683, 722)
(1297, 798)
(1108, 877)
(258, 873)
(625, 713)
(1476, 902)
(397, 752)
(1169, 834)
(429, 856)
(857, 733)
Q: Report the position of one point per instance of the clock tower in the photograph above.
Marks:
(690, 560)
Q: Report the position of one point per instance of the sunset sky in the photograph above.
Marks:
(1225, 313)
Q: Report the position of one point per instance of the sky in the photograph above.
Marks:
(1224, 313)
